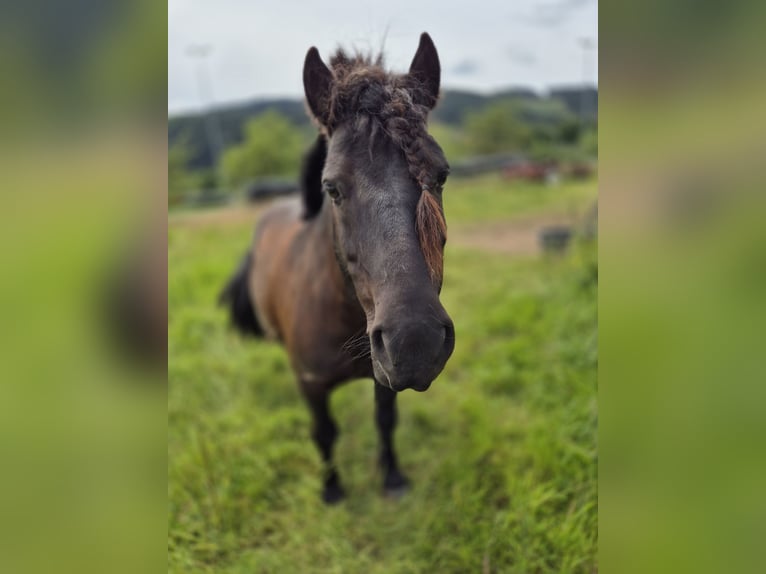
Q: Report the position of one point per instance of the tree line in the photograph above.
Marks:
(271, 143)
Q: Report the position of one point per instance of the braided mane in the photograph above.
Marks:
(399, 105)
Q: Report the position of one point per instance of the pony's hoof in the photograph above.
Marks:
(395, 486)
(333, 494)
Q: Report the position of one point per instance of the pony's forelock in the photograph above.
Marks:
(432, 232)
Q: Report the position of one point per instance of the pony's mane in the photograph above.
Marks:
(399, 105)
(311, 177)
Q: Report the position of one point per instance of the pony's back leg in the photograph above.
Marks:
(394, 482)
(325, 433)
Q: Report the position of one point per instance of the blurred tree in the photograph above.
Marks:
(180, 179)
(589, 142)
(272, 146)
(569, 130)
(498, 128)
(451, 139)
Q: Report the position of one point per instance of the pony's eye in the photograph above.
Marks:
(442, 177)
(331, 189)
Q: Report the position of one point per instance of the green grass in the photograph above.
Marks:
(501, 450)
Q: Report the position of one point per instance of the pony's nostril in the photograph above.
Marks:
(376, 337)
(448, 344)
(449, 331)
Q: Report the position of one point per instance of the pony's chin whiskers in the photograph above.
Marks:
(358, 346)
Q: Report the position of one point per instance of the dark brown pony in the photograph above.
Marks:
(348, 279)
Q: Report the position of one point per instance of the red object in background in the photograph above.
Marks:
(529, 171)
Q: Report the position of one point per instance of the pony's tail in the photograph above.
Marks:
(235, 296)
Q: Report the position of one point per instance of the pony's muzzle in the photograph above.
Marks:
(413, 353)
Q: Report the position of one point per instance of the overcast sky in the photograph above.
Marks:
(258, 46)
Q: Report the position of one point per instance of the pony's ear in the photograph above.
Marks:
(425, 69)
(317, 79)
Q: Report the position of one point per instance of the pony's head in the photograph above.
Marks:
(382, 180)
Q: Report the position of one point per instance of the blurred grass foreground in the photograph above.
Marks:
(501, 449)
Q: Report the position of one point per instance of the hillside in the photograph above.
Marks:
(453, 108)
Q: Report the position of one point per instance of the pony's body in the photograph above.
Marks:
(302, 298)
(348, 278)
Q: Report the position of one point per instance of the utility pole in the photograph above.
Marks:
(213, 132)
(587, 45)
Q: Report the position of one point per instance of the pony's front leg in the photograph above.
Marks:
(394, 482)
(325, 433)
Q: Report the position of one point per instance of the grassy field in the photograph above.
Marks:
(501, 450)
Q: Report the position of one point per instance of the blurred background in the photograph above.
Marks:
(100, 464)
(502, 448)
(83, 290)
(519, 88)
(681, 201)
